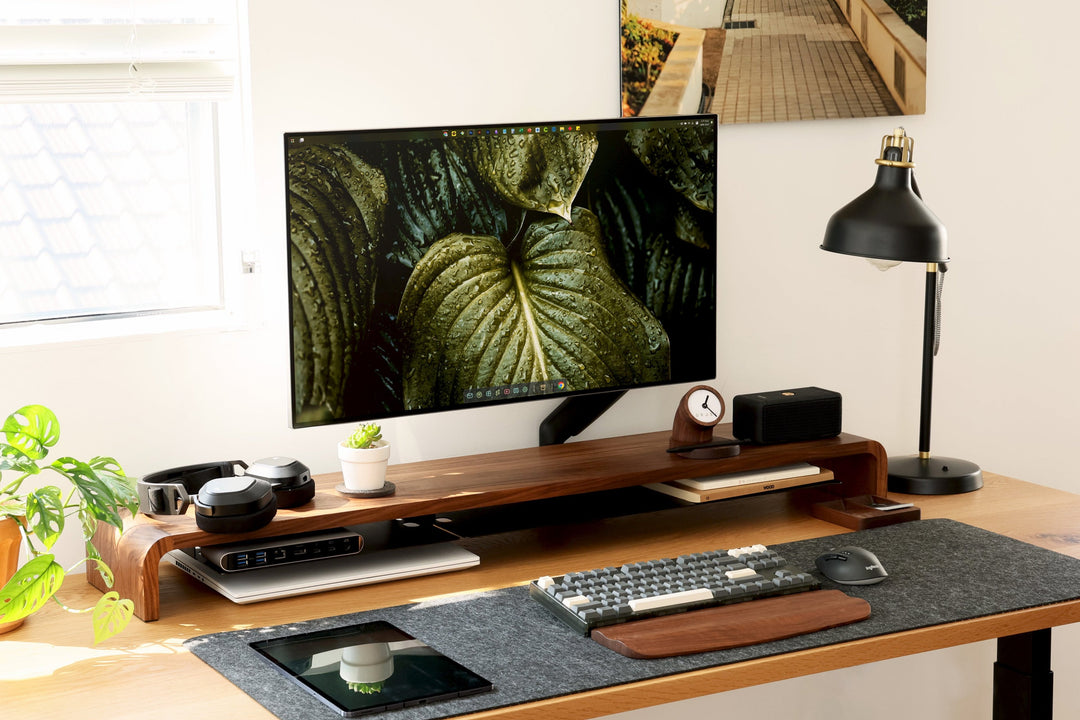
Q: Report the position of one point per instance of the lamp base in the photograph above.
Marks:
(933, 476)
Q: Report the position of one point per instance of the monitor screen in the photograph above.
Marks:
(439, 268)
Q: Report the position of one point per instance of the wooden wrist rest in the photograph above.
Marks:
(728, 626)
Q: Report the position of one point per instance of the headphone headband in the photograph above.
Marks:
(226, 498)
(169, 492)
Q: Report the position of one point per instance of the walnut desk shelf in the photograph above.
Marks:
(856, 465)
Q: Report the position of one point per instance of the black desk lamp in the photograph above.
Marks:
(889, 222)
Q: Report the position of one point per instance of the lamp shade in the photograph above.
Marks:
(889, 221)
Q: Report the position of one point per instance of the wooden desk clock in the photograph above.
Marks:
(699, 411)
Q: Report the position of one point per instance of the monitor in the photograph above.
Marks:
(441, 268)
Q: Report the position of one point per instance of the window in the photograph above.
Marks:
(112, 117)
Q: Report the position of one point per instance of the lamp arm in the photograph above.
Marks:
(931, 317)
(935, 281)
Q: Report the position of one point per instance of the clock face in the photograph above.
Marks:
(705, 406)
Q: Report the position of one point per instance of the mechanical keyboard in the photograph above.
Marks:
(608, 596)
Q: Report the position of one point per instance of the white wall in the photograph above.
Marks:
(994, 164)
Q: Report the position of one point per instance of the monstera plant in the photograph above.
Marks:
(95, 491)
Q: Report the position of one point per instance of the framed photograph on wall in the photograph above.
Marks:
(748, 61)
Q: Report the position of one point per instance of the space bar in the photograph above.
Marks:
(728, 626)
(682, 597)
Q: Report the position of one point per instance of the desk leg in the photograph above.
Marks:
(1023, 681)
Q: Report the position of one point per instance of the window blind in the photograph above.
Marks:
(110, 50)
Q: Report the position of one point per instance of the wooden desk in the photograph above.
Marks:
(145, 671)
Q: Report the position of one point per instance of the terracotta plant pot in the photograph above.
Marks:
(10, 540)
(364, 468)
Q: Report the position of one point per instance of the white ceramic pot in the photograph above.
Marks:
(364, 468)
(367, 663)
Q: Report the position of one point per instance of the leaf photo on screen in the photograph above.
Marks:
(425, 270)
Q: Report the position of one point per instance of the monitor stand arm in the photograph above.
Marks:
(574, 414)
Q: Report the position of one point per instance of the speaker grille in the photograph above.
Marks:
(802, 421)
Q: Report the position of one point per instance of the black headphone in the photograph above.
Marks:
(228, 500)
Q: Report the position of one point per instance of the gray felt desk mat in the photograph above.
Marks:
(939, 571)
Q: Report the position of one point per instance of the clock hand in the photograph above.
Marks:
(706, 406)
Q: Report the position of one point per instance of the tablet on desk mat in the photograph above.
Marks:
(368, 668)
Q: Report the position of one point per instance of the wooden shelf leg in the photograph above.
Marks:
(134, 558)
(1023, 681)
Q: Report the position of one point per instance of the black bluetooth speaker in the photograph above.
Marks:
(782, 416)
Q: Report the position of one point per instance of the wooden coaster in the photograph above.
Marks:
(728, 626)
(859, 513)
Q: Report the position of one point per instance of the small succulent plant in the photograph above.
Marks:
(364, 436)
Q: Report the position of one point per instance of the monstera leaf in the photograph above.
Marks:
(476, 314)
(30, 588)
(29, 434)
(681, 156)
(336, 208)
(538, 171)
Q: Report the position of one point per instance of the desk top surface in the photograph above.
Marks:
(51, 654)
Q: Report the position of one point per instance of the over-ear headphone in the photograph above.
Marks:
(227, 500)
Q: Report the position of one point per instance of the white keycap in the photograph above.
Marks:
(736, 552)
(739, 574)
(544, 582)
(676, 598)
(575, 600)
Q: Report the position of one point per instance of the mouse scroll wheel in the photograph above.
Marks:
(838, 556)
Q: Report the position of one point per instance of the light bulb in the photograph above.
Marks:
(883, 265)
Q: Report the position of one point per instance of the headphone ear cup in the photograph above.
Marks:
(292, 496)
(291, 479)
(235, 504)
(237, 523)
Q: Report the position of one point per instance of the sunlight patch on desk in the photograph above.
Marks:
(449, 599)
(26, 660)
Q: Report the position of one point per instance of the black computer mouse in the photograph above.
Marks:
(851, 566)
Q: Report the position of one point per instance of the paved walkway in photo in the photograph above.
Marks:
(800, 61)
